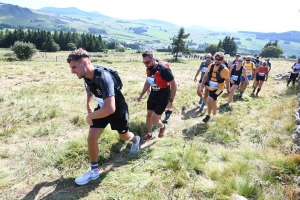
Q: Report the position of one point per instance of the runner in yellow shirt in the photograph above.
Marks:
(250, 70)
(216, 75)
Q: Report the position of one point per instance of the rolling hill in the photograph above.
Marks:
(147, 32)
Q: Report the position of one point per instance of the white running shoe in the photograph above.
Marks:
(84, 179)
(135, 147)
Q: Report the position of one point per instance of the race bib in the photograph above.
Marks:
(234, 77)
(99, 101)
(248, 72)
(203, 69)
(261, 74)
(213, 84)
(152, 83)
(150, 80)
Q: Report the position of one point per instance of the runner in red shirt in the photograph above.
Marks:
(261, 77)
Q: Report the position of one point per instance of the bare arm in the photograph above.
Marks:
(173, 85)
(89, 99)
(197, 73)
(108, 109)
(145, 89)
(203, 80)
(245, 75)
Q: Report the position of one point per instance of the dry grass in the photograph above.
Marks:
(247, 150)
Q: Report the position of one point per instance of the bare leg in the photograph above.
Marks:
(92, 141)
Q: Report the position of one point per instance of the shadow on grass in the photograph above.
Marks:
(194, 113)
(65, 188)
(222, 109)
(292, 90)
(196, 130)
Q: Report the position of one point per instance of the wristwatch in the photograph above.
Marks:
(169, 99)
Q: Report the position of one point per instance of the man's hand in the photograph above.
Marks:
(139, 98)
(89, 120)
(195, 79)
(169, 105)
(89, 109)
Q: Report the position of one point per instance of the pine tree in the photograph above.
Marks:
(179, 43)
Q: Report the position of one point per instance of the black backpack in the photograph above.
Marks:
(114, 74)
(218, 75)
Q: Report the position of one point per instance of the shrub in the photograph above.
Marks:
(50, 46)
(71, 46)
(23, 50)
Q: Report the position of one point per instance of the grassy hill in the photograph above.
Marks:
(154, 33)
(247, 150)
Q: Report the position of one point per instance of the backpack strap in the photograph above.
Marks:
(211, 71)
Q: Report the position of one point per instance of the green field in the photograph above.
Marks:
(247, 150)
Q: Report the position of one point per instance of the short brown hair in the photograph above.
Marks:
(77, 54)
(219, 54)
(148, 53)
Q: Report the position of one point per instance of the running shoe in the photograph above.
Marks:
(206, 119)
(168, 114)
(162, 131)
(200, 101)
(147, 137)
(154, 127)
(135, 147)
(84, 179)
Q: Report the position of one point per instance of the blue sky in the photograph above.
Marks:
(255, 15)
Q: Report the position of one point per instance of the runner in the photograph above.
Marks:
(216, 75)
(202, 69)
(163, 91)
(295, 73)
(269, 64)
(235, 60)
(261, 76)
(250, 70)
(105, 86)
(236, 71)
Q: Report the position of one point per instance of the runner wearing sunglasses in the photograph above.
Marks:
(163, 90)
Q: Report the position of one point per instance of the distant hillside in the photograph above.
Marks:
(70, 11)
(150, 33)
(290, 36)
(159, 22)
(12, 9)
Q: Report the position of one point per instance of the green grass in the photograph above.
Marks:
(247, 150)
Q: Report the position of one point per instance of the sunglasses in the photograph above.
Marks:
(147, 62)
(247, 60)
(218, 59)
(264, 65)
(240, 61)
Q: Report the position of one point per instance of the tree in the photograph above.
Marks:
(120, 48)
(71, 46)
(272, 51)
(228, 45)
(49, 45)
(212, 48)
(179, 43)
(24, 51)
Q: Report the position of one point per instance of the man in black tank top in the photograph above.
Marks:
(112, 109)
(235, 71)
